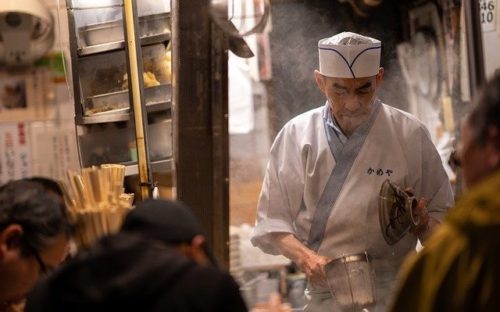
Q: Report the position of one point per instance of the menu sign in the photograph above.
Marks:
(488, 12)
(54, 150)
(14, 152)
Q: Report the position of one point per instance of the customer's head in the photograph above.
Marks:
(172, 223)
(34, 232)
(480, 146)
(48, 184)
(349, 75)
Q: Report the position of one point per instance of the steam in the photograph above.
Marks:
(295, 55)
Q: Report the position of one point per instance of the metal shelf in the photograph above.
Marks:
(119, 45)
(120, 116)
(104, 118)
(163, 165)
(89, 46)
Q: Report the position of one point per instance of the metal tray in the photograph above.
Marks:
(112, 31)
(113, 144)
(118, 102)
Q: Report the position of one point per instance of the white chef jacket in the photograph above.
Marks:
(394, 145)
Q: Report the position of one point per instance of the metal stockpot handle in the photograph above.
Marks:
(218, 12)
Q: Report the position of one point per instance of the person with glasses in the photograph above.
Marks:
(459, 268)
(34, 235)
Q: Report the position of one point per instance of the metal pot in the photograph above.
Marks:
(351, 282)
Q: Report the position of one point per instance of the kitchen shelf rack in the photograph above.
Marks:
(99, 67)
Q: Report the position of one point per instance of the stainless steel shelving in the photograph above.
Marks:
(121, 116)
(163, 165)
(99, 62)
(120, 45)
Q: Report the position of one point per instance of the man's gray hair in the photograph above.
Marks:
(40, 212)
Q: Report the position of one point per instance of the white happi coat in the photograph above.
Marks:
(395, 146)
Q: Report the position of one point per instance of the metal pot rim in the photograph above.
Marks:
(351, 258)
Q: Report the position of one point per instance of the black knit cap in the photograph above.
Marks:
(171, 222)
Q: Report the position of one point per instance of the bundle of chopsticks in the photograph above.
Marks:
(97, 202)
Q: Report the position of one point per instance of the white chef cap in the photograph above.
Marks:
(349, 55)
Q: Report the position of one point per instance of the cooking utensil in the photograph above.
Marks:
(223, 14)
(351, 282)
(238, 45)
(396, 208)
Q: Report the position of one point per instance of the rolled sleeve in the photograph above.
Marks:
(281, 193)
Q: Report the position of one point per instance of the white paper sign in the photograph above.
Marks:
(14, 152)
(488, 14)
(54, 150)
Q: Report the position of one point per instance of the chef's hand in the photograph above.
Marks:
(274, 304)
(309, 262)
(313, 266)
(420, 213)
(423, 218)
(425, 222)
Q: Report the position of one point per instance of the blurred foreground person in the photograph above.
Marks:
(34, 234)
(459, 268)
(158, 262)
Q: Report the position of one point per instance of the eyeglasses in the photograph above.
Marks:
(44, 269)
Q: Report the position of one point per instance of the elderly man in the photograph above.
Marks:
(320, 193)
(34, 233)
(459, 269)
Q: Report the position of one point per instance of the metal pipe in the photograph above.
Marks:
(136, 95)
(474, 39)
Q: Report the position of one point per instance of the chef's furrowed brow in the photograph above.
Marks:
(337, 86)
(365, 86)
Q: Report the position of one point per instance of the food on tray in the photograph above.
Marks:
(166, 67)
(148, 77)
(105, 108)
(161, 66)
(109, 86)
